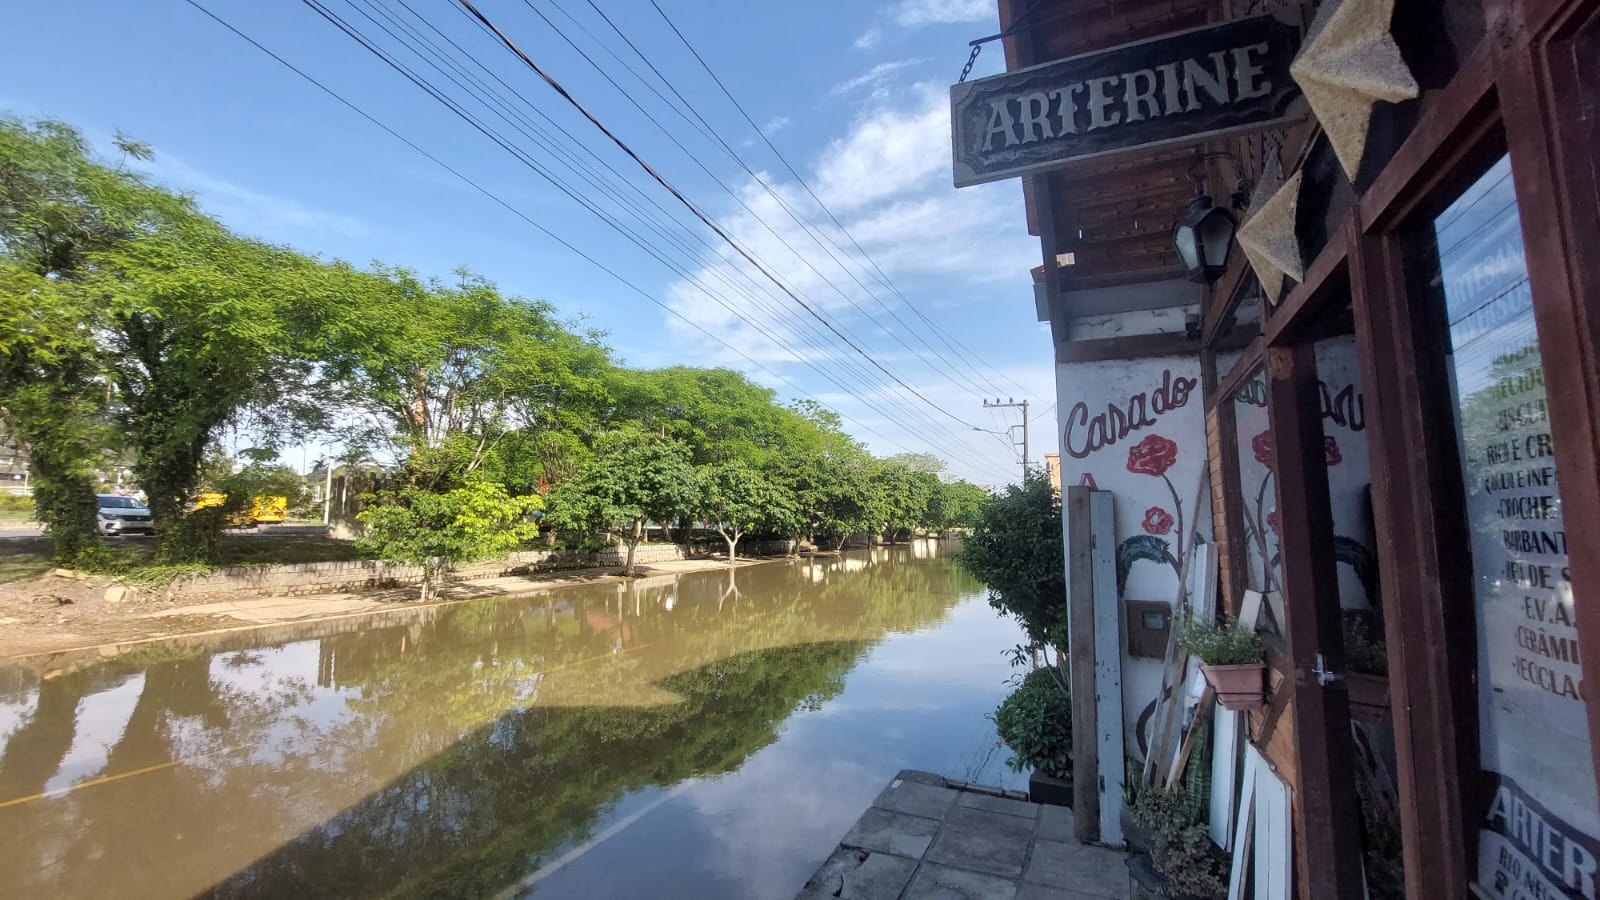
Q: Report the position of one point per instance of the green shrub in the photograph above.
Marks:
(1036, 723)
(16, 503)
(1222, 643)
(433, 530)
(1015, 550)
(1181, 850)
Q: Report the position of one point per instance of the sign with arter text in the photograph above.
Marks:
(1175, 89)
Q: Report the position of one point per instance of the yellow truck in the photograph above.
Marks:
(263, 510)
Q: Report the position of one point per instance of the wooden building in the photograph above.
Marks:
(1391, 394)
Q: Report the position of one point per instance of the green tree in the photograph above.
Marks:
(956, 504)
(905, 493)
(442, 374)
(435, 530)
(634, 478)
(918, 462)
(736, 499)
(718, 414)
(1016, 549)
(212, 328)
(834, 496)
(155, 313)
(59, 210)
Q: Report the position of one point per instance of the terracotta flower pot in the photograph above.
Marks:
(1240, 688)
(1369, 697)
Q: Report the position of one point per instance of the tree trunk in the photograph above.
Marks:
(733, 543)
(633, 542)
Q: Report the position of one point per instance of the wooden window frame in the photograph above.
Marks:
(1515, 92)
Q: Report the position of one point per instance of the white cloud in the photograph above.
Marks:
(869, 38)
(887, 179)
(271, 216)
(939, 12)
(888, 151)
(875, 76)
(775, 125)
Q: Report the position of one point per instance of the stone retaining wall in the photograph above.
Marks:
(369, 574)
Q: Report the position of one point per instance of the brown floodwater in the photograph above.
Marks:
(703, 735)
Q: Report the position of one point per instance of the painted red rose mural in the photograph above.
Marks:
(1263, 447)
(1154, 456)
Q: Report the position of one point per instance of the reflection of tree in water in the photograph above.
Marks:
(495, 805)
(108, 831)
(34, 751)
(512, 725)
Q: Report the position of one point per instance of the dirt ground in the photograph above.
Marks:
(58, 613)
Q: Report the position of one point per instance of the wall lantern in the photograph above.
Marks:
(1204, 237)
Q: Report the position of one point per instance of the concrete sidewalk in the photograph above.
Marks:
(925, 838)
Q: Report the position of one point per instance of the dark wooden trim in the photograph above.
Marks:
(1224, 298)
(1308, 300)
(1327, 811)
(1137, 346)
(1558, 196)
(1138, 276)
(1080, 640)
(1429, 617)
(1242, 370)
(1227, 495)
(1456, 121)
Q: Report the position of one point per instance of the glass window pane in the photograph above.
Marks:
(1260, 495)
(1538, 837)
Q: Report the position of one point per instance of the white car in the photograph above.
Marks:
(123, 515)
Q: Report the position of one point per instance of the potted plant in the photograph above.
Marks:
(1231, 660)
(1035, 722)
(1366, 672)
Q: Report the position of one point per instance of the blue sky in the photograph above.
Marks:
(852, 94)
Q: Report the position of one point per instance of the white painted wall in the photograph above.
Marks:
(1105, 410)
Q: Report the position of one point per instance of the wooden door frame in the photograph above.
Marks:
(1516, 90)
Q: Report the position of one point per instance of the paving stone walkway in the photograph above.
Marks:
(927, 839)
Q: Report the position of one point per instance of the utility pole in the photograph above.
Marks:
(1012, 404)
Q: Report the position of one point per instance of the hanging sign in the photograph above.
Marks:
(1180, 88)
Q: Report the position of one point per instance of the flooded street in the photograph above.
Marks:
(703, 735)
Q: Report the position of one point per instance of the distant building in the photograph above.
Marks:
(1052, 466)
(13, 465)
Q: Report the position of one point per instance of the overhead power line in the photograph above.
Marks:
(932, 358)
(580, 198)
(716, 229)
(950, 342)
(525, 218)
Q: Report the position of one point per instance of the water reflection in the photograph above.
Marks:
(465, 750)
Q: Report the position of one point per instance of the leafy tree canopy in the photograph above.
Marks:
(1016, 549)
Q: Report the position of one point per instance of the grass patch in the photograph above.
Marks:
(271, 550)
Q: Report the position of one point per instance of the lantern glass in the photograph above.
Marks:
(1188, 247)
(1216, 238)
(1204, 239)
